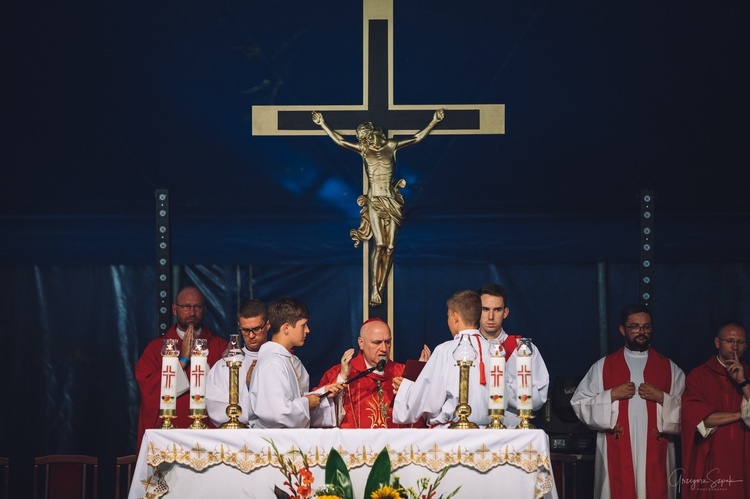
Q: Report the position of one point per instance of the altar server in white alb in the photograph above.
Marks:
(279, 386)
(252, 322)
(494, 310)
(632, 398)
(434, 395)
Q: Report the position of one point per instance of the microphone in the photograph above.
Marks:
(379, 367)
(381, 363)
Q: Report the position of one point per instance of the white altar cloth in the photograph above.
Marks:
(242, 464)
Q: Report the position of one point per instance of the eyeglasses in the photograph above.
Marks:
(633, 328)
(732, 342)
(188, 308)
(254, 331)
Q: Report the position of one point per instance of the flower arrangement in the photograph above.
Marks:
(338, 483)
(299, 480)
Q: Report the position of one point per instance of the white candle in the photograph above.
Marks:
(497, 382)
(523, 385)
(169, 367)
(198, 372)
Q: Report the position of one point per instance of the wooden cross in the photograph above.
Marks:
(378, 107)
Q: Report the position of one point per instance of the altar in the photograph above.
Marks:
(244, 463)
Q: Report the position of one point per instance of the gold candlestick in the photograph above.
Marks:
(463, 409)
(198, 415)
(234, 411)
(166, 416)
(525, 415)
(464, 354)
(495, 415)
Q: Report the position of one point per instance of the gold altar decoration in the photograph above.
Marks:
(435, 458)
(464, 355)
(233, 357)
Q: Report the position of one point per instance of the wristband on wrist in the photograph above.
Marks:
(746, 382)
(184, 359)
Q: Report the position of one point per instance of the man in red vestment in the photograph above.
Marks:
(188, 309)
(716, 421)
(367, 402)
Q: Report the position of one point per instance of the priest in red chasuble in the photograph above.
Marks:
(716, 421)
(367, 402)
(188, 309)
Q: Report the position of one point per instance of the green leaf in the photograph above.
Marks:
(380, 474)
(338, 475)
(280, 494)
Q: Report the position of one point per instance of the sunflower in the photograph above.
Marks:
(386, 492)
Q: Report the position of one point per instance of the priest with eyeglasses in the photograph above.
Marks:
(253, 325)
(632, 399)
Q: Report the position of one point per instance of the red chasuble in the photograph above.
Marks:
(368, 401)
(717, 466)
(658, 372)
(148, 375)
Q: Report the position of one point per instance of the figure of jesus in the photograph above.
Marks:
(382, 205)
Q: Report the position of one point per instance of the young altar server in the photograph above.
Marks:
(433, 397)
(279, 386)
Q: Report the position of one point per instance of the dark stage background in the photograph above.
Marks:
(109, 102)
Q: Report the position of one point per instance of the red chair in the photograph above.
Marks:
(560, 463)
(5, 465)
(128, 463)
(66, 477)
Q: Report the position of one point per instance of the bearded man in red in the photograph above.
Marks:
(631, 398)
(188, 309)
(716, 421)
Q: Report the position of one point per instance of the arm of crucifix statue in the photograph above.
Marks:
(420, 135)
(317, 118)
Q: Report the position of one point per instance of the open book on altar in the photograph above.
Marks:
(412, 369)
